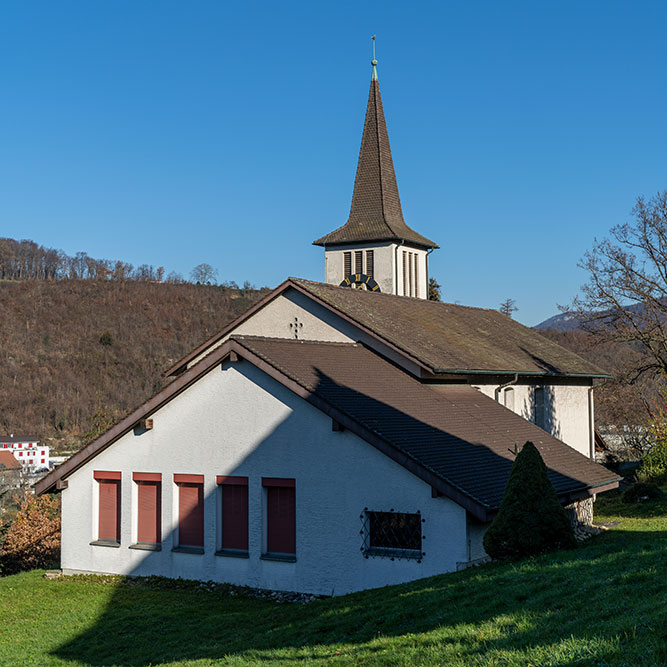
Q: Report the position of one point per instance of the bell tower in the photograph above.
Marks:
(375, 249)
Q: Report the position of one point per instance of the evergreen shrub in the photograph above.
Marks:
(531, 520)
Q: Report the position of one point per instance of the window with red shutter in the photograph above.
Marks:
(280, 518)
(149, 509)
(233, 498)
(190, 513)
(108, 529)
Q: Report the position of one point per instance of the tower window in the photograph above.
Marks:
(358, 261)
(412, 289)
(370, 268)
(405, 273)
(416, 274)
(347, 263)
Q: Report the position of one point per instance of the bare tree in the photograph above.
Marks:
(507, 307)
(175, 278)
(204, 274)
(625, 298)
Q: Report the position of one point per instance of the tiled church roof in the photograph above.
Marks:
(450, 338)
(376, 213)
(440, 337)
(462, 436)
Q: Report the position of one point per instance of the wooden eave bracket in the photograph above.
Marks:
(337, 426)
(144, 425)
(61, 484)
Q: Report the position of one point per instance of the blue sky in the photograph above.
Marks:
(174, 133)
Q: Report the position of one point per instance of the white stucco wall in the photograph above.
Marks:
(568, 410)
(387, 256)
(238, 421)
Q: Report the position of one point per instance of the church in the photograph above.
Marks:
(337, 436)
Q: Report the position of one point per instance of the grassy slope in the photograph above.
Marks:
(605, 603)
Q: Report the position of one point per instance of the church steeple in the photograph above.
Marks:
(375, 249)
(375, 214)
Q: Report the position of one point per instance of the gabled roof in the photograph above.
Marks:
(453, 437)
(8, 462)
(375, 214)
(439, 337)
(449, 338)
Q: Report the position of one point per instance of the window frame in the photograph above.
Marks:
(142, 479)
(270, 487)
(188, 481)
(107, 479)
(232, 482)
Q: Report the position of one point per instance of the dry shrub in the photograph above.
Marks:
(33, 539)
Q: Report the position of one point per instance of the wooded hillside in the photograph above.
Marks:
(627, 398)
(77, 354)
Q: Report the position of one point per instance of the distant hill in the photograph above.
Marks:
(561, 322)
(77, 354)
(570, 321)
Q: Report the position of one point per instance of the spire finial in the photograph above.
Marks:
(374, 75)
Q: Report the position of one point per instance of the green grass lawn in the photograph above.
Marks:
(602, 604)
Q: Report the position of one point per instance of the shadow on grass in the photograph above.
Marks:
(604, 601)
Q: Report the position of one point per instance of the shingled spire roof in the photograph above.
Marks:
(375, 214)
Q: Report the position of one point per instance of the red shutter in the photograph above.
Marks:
(109, 526)
(235, 516)
(281, 519)
(149, 512)
(191, 515)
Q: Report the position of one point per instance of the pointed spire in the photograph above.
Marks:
(375, 214)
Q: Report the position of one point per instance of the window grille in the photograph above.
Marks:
(392, 535)
(358, 261)
(347, 263)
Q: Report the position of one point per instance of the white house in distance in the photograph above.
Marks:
(27, 451)
(333, 439)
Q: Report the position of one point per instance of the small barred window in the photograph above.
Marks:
(392, 534)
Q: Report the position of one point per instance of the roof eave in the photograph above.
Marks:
(479, 371)
(323, 242)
